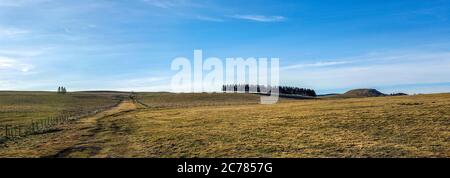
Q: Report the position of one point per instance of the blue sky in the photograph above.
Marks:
(328, 45)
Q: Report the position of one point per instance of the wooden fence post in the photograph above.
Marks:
(6, 131)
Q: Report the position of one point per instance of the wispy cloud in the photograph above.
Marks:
(10, 3)
(374, 71)
(206, 14)
(169, 3)
(260, 18)
(208, 18)
(142, 81)
(184, 9)
(18, 3)
(119, 84)
(9, 32)
(12, 64)
(21, 53)
(316, 64)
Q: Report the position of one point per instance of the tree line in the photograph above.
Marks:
(62, 90)
(268, 89)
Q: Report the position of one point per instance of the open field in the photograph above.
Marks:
(182, 100)
(197, 125)
(18, 108)
(415, 126)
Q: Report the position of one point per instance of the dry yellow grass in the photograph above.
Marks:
(20, 108)
(77, 139)
(406, 126)
(183, 100)
(411, 126)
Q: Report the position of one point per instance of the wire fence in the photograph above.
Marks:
(8, 132)
(136, 100)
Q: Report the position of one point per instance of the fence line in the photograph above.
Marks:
(44, 125)
(135, 98)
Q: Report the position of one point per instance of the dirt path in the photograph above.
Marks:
(100, 135)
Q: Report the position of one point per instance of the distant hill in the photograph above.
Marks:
(357, 93)
(102, 91)
(364, 93)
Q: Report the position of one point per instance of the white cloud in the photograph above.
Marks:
(169, 3)
(376, 71)
(10, 3)
(18, 3)
(141, 81)
(22, 53)
(12, 64)
(6, 32)
(115, 83)
(155, 88)
(207, 18)
(260, 18)
(316, 64)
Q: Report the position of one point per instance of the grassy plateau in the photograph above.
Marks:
(18, 108)
(235, 125)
